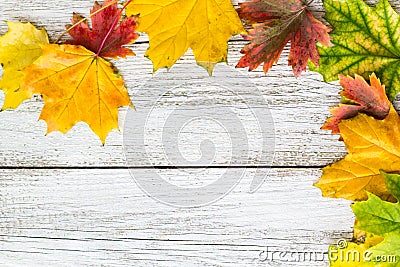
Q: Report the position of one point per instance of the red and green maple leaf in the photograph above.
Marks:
(275, 23)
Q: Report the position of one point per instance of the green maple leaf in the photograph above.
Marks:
(380, 219)
(388, 250)
(366, 40)
(377, 216)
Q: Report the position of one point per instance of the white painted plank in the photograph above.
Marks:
(100, 217)
(298, 111)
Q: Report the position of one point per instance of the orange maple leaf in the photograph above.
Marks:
(77, 86)
(373, 146)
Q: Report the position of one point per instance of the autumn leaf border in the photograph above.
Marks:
(358, 207)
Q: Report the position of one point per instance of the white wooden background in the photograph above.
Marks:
(68, 201)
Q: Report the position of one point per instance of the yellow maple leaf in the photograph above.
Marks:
(174, 26)
(19, 48)
(373, 146)
(77, 86)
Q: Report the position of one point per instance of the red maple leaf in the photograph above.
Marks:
(359, 97)
(275, 23)
(122, 33)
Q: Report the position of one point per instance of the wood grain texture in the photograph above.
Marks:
(76, 217)
(68, 201)
(299, 108)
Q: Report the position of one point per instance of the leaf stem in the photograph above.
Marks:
(82, 20)
(309, 3)
(112, 27)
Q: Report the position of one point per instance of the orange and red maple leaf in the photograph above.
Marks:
(359, 97)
